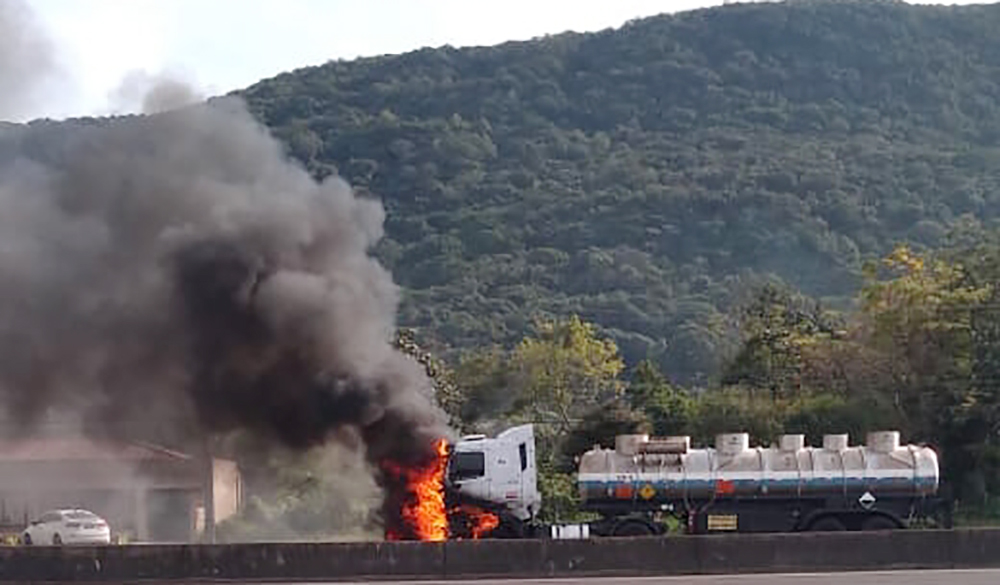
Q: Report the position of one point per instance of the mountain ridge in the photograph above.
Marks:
(647, 176)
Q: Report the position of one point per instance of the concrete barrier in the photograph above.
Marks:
(676, 555)
(484, 558)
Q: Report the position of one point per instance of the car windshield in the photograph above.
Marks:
(81, 516)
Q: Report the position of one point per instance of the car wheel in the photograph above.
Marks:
(56, 540)
(26, 539)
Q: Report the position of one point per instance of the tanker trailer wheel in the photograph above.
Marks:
(632, 528)
(879, 522)
(827, 524)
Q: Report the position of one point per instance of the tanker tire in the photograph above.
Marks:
(827, 524)
(879, 522)
(632, 528)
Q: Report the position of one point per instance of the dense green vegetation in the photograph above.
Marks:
(643, 177)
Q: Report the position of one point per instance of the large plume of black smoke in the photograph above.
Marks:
(176, 275)
(27, 59)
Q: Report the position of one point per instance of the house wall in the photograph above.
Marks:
(228, 489)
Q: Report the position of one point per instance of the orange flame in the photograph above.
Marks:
(481, 521)
(424, 510)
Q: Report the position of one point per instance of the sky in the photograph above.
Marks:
(220, 45)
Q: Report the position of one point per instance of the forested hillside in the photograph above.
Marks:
(642, 177)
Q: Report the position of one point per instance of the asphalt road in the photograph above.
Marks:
(965, 577)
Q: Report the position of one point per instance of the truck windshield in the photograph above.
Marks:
(467, 465)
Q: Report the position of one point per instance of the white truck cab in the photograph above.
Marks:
(499, 470)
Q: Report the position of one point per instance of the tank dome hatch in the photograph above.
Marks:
(666, 445)
(792, 442)
(835, 442)
(628, 445)
(732, 443)
(883, 441)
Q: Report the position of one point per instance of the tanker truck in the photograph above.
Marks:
(635, 488)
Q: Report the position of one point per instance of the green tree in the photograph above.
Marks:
(446, 393)
(778, 328)
(922, 321)
(323, 494)
(559, 377)
(979, 426)
(485, 382)
(669, 409)
(563, 371)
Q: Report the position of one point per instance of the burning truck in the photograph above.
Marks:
(484, 487)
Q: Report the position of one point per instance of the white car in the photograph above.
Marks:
(68, 526)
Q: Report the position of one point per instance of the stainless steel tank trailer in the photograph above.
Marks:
(636, 487)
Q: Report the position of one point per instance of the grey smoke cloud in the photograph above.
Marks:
(152, 94)
(27, 60)
(176, 275)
